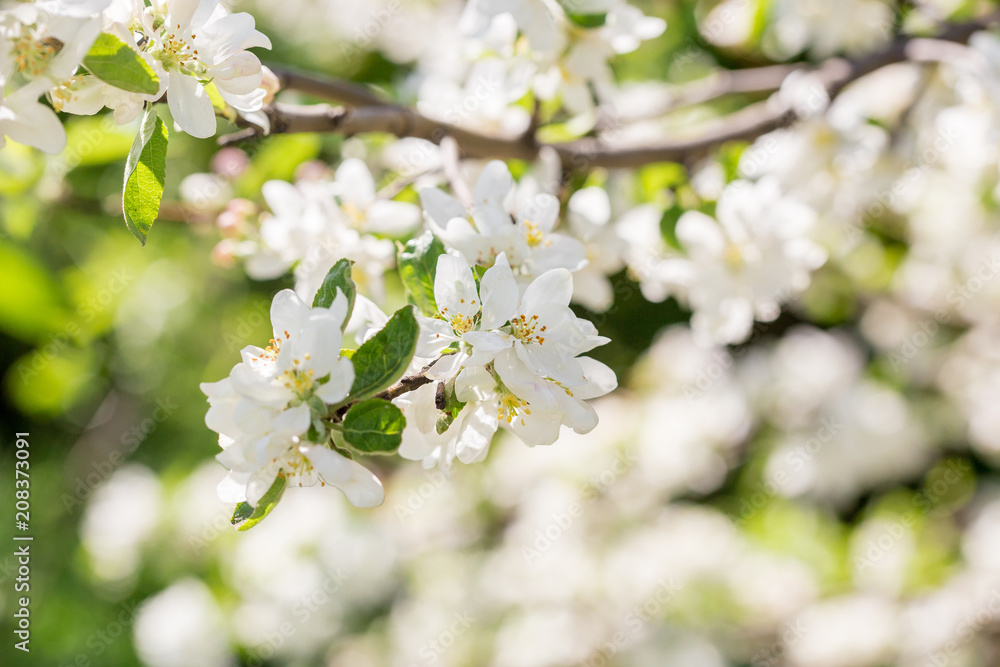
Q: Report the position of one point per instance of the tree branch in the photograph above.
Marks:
(404, 386)
(373, 114)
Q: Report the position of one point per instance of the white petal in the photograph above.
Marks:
(192, 110)
(291, 422)
(288, 314)
(435, 335)
(356, 185)
(591, 204)
(493, 184)
(25, 120)
(601, 380)
(362, 488)
(474, 384)
(455, 288)
(477, 433)
(700, 234)
(440, 207)
(542, 210)
(500, 294)
(394, 218)
(259, 484)
(341, 380)
(537, 429)
(233, 488)
(552, 287)
(487, 344)
(239, 74)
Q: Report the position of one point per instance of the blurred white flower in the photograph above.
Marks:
(743, 264)
(482, 233)
(182, 626)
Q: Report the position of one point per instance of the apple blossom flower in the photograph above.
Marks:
(742, 264)
(198, 42)
(26, 120)
(354, 188)
(49, 40)
(264, 410)
(481, 234)
(516, 361)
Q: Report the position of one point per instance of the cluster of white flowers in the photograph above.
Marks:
(512, 357)
(488, 229)
(875, 216)
(316, 222)
(195, 48)
(599, 546)
(556, 52)
(265, 411)
(739, 266)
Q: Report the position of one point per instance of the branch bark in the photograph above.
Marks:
(371, 113)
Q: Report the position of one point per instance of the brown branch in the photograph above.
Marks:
(405, 385)
(373, 114)
(326, 88)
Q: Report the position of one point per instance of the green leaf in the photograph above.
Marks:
(144, 175)
(417, 267)
(246, 517)
(588, 20)
(113, 61)
(384, 357)
(338, 277)
(374, 426)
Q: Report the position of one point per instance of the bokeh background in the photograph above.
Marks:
(825, 494)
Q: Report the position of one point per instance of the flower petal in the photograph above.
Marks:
(455, 288)
(190, 106)
(500, 294)
(493, 184)
(552, 287)
(339, 385)
(362, 488)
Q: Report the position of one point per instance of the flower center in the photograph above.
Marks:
(33, 51)
(64, 93)
(733, 257)
(355, 216)
(510, 407)
(176, 52)
(526, 329)
(296, 466)
(460, 323)
(532, 233)
(299, 380)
